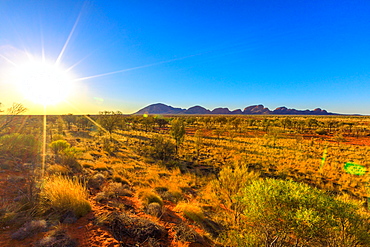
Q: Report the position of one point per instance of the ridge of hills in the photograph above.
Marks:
(162, 109)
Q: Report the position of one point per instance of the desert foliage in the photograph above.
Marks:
(62, 194)
(172, 181)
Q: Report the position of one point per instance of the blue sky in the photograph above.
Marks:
(298, 54)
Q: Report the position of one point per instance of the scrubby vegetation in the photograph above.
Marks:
(63, 194)
(178, 181)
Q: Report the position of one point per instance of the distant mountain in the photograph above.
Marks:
(256, 109)
(160, 109)
(285, 111)
(221, 111)
(197, 110)
(163, 109)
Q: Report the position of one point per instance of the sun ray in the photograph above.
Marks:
(29, 56)
(42, 46)
(8, 60)
(135, 68)
(78, 62)
(43, 144)
(68, 39)
(23, 123)
(89, 118)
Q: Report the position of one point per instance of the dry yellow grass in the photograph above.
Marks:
(191, 211)
(61, 194)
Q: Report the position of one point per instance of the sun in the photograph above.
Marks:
(44, 82)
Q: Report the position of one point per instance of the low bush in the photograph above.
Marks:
(321, 131)
(69, 158)
(126, 228)
(58, 146)
(161, 148)
(186, 234)
(154, 209)
(58, 169)
(282, 212)
(96, 181)
(19, 146)
(113, 190)
(57, 238)
(29, 229)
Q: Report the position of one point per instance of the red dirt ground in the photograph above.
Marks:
(84, 230)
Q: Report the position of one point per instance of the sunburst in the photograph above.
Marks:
(43, 82)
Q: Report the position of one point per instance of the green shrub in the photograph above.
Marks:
(20, 146)
(69, 158)
(161, 148)
(58, 137)
(227, 187)
(58, 146)
(283, 212)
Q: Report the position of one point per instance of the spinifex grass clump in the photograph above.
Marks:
(147, 197)
(190, 211)
(61, 194)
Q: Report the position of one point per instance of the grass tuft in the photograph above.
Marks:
(190, 211)
(61, 194)
(147, 197)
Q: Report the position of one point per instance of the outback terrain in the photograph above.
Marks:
(184, 180)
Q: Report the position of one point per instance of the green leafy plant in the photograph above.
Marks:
(58, 146)
(284, 212)
(178, 131)
(19, 146)
(161, 148)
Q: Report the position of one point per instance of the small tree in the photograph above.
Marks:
(161, 122)
(229, 185)
(178, 131)
(198, 141)
(148, 122)
(161, 148)
(70, 119)
(109, 120)
(15, 109)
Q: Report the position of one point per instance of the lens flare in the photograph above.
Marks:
(43, 83)
(355, 169)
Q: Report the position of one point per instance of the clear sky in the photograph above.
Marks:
(298, 54)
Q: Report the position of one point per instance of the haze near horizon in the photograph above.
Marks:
(83, 57)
